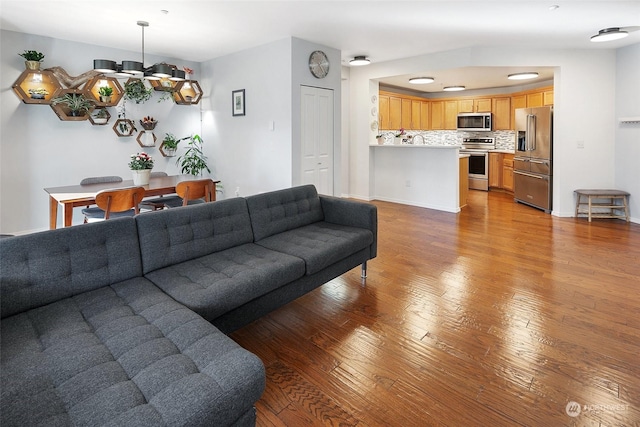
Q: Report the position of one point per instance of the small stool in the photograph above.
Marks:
(614, 209)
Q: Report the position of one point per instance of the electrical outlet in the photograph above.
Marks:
(580, 144)
(407, 183)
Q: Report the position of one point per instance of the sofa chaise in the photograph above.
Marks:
(124, 322)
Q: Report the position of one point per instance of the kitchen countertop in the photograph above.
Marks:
(414, 146)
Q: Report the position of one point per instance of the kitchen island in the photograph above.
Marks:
(419, 175)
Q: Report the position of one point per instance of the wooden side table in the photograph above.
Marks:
(616, 210)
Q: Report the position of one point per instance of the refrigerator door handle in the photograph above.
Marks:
(532, 131)
(531, 175)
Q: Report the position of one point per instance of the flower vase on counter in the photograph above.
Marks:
(141, 165)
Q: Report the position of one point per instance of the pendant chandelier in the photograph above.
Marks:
(137, 69)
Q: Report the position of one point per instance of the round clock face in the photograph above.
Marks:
(319, 64)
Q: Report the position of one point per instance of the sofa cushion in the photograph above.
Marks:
(172, 236)
(40, 268)
(320, 244)
(123, 355)
(277, 211)
(217, 283)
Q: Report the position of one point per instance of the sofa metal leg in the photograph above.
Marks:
(363, 275)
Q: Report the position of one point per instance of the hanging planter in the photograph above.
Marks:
(136, 91)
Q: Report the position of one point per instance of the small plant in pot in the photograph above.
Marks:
(135, 90)
(193, 161)
(170, 144)
(32, 59)
(38, 93)
(105, 93)
(100, 116)
(77, 104)
(148, 123)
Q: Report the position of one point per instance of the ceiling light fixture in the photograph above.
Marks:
(609, 34)
(523, 76)
(137, 69)
(360, 60)
(421, 80)
(453, 88)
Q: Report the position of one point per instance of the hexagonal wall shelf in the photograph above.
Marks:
(124, 127)
(36, 87)
(99, 121)
(92, 91)
(63, 112)
(187, 92)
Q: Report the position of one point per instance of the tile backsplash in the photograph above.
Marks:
(505, 139)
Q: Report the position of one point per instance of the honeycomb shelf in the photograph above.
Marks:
(63, 112)
(92, 91)
(124, 127)
(31, 82)
(187, 92)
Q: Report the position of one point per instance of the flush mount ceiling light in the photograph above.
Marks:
(523, 76)
(609, 34)
(137, 69)
(453, 88)
(360, 60)
(421, 80)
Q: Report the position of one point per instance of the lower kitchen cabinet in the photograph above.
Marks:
(507, 172)
(501, 171)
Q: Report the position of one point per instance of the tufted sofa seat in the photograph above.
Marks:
(123, 322)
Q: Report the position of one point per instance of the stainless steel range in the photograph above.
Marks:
(478, 151)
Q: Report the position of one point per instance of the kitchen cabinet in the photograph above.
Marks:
(416, 114)
(425, 115)
(463, 180)
(395, 112)
(437, 115)
(501, 108)
(451, 114)
(495, 170)
(383, 112)
(507, 172)
(405, 122)
(534, 100)
(547, 98)
(479, 105)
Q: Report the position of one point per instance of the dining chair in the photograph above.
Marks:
(114, 203)
(157, 203)
(193, 192)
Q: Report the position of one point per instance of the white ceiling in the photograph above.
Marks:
(200, 30)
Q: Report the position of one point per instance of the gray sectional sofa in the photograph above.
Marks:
(123, 322)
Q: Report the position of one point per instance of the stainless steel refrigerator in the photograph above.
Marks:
(533, 166)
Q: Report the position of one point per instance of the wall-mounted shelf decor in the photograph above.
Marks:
(100, 117)
(63, 109)
(167, 152)
(36, 87)
(146, 138)
(163, 85)
(93, 89)
(124, 127)
(187, 92)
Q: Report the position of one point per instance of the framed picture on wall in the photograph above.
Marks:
(238, 102)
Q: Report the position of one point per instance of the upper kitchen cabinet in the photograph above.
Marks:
(389, 112)
(437, 115)
(477, 105)
(405, 112)
(444, 114)
(501, 108)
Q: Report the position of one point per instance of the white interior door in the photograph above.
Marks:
(317, 138)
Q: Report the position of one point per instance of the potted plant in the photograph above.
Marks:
(141, 165)
(105, 93)
(32, 59)
(193, 161)
(170, 144)
(148, 123)
(100, 117)
(77, 104)
(135, 90)
(38, 93)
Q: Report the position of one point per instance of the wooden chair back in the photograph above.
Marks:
(120, 200)
(197, 189)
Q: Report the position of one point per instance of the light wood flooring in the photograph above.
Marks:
(498, 316)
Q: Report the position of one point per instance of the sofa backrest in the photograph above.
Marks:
(282, 210)
(175, 235)
(40, 268)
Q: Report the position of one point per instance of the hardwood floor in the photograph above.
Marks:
(498, 316)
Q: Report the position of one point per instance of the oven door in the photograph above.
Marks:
(478, 170)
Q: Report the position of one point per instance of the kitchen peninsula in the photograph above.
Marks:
(419, 175)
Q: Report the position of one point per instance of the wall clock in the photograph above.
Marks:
(319, 64)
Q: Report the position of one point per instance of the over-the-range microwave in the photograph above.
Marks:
(476, 122)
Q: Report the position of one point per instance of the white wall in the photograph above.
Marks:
(37, 150)
(247, 156)
(584, 92)
(627, 141)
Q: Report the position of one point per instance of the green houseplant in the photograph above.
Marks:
(32, 59)
(193, 161)
(135, 90)
(170, 144)
(77, 104)
(105, 93)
